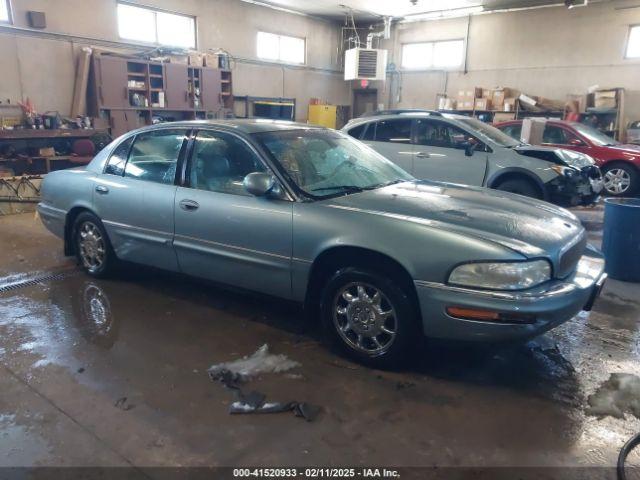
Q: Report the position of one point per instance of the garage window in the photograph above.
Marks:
(432, 55)
(5, 12)
(144, 24)
(281, 48)
(633, 44)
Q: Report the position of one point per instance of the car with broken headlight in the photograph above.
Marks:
(311, 215)
(459, 149)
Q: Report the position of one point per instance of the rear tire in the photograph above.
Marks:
(620, 179)
(369, 317)
(92, 246)
(520, 186)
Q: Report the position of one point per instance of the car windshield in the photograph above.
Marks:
(593, 135)
(326, 163)
(489, 132)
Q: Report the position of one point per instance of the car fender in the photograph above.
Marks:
(410, 243)
(496, 177)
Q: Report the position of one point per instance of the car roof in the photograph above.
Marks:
(548, 120)
(405, 114)
(243, 125)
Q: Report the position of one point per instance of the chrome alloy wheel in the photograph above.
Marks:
(92, 246)
(364, 318)
(617, 181)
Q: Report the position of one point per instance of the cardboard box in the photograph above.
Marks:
(195, 59)
(466, 98)
(483, 104)
(464, 104)
(446, 103)
(503, 117)
(47, 152)
(527, 99)
(180, 59)
(605, 99)
(210, 60)
(509, 104)
(498, 99)
(550, 104)
(532, 130)
(500, 94)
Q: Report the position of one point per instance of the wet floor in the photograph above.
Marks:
(72, 348)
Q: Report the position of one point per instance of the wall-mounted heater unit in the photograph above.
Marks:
(365, 64)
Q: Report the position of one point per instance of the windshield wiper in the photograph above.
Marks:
(346, 188)
(382, 185)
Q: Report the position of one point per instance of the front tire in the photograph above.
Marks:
(369, 317)
(92, 246)
(620, 179)
(520, 186)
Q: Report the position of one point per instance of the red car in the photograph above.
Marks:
(620, 164)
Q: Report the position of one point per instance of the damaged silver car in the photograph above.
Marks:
(312, 215)
(460, 149)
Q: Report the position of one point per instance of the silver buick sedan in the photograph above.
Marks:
(312, 215)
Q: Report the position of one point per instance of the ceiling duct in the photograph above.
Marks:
(384, 33)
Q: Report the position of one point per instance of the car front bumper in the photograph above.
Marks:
(548, 305)
(580, 189)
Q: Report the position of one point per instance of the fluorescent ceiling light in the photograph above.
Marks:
(458, 12)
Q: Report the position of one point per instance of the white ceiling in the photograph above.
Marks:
(371, 9)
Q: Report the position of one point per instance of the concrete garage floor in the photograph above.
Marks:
(70, 347)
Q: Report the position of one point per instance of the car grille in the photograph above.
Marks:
(569, 259)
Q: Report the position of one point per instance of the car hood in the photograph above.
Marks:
(530, 227)
(557, 155)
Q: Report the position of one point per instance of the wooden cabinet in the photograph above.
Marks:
(176, 89)
(210, 89)
(131, 92)
(112, 82)
(123, 121)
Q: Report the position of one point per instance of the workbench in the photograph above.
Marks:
(29, 134)
(23, 147)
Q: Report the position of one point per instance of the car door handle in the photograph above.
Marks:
(423, 155)
(102, 189)
(189, 205)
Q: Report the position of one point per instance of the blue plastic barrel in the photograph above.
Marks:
(621, 240)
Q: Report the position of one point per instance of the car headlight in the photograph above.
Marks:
(501, 275)
(575, 159)
(564, 171)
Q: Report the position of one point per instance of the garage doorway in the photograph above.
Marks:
(364, 100)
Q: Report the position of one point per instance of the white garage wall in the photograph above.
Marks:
(550, 52)
(41, 65)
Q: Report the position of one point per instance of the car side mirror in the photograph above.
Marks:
(259, 184)
(469, 148)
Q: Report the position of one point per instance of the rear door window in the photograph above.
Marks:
(394, 131)
(356, 132)
(370, 132)
(557, 135)
(154, 155)
(118, 159)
